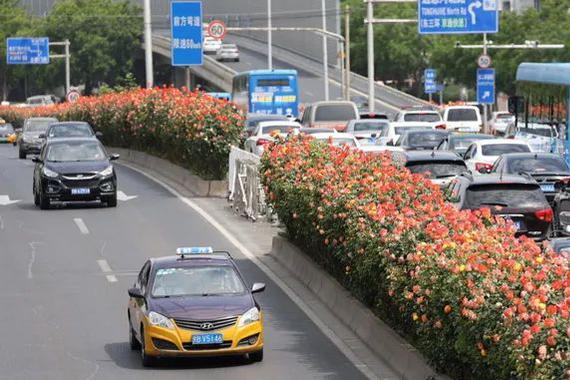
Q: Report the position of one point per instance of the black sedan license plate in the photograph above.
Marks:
(80, 191)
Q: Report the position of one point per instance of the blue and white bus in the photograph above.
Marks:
(267, 92)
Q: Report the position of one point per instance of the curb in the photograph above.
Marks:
(402, 357)
(181, 176)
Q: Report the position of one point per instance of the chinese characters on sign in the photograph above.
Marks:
(430, 77)
(186, 33)
(27, 51)
(457, 16)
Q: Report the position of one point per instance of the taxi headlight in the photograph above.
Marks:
(160, 320)
(250, 316)
(107, 171)
(49, 173)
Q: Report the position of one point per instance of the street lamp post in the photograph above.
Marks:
(148, 45)
(325, 49)
(269, 37)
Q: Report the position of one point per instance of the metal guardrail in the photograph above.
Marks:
(244, 185)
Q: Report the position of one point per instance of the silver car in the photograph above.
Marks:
(228, 52)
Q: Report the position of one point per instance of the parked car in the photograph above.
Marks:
(481, 155)
(514, 197)
(228, 52)
(74, 170)
(500, 121)
(421, 140)
(253, 120)
(368, 130)
(7, 133)
(549, 170)
(540, 137)
(263, 134)
(462, 119)
(211, 45)
(439, 166)
(30, 141)
(459, 142)
(66, 129)
(330, 114)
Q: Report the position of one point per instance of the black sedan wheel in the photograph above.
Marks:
(22, 154)
(44, 201)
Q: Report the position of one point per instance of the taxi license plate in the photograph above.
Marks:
(80, 191)
(207, 339)
(547, 187)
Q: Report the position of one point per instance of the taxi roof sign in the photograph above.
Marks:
(193, 250)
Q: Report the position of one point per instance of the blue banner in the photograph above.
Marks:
(27, 51)
(430, 81)
(186, 33)
(457, 16)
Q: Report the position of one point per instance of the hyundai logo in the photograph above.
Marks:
(207, 326)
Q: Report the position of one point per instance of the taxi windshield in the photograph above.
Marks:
(197, 281)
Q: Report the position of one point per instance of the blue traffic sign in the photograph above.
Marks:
(430, 78)
(27, 51)
(486, 86)
(186, 33)
(458, 17)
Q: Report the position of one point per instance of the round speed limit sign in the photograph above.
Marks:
(217, 29)
(484, 61)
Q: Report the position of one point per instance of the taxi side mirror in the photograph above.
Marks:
(258, 287)
(135, 293)
(114, 157)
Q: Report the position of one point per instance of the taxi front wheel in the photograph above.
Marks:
(133, 342)
(256, 356)
(147, 361)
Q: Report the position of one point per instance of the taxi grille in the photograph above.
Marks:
(206, 325)
(196, 347)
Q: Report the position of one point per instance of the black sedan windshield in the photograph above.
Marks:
(75, 151)
(537, 165)
(197, 281)
(70, 130)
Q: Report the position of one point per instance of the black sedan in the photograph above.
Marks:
(514, 197)
(66, 129)
(74, 170)
(549, 170)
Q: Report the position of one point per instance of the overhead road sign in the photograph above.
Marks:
(217, 29)
(186, 33)
(458, 17)
(486, 86)
(430, 81)
(27, 51)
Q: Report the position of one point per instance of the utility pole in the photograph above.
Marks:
(148, 45)
(347, 51)
(269, 37)
(370, 35)
(67, 56)
(325, 50)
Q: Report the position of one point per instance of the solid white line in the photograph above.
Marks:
(81, 225)
(342, 346)
(106, 268)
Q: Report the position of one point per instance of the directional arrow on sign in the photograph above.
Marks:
(5, 200)
(124, 197)
(471, 10)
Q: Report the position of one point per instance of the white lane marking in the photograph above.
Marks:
(5, 200)
(81, 225)
(1, 223)
(106, 268)
(124, 197)
(309, 93)
(33, 246)
(339, 343)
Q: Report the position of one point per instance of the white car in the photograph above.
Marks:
(338, 139)
(482, 154)
(500, 121)
(395, 130)
(228, 52)
(540, 137)
(211, 45)
(368, 130)
(263, 134)
(462, 119)
(421, 116)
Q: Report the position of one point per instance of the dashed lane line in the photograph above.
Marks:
(81, 225)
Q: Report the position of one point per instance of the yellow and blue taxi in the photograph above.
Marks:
(194, 304)
(7, 133)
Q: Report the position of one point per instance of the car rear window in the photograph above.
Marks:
(423, 117)
(498, 149)
(335, 112)
(463, 142)
(402, 130)
(368, 126)
(437, 169)
(537, 165)
(462, 114)
(430, 140)
(544, 132)
(504, 195)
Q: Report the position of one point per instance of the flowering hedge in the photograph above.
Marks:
(480, 303)
(187, 128)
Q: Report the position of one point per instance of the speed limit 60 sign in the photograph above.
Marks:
(217, 29)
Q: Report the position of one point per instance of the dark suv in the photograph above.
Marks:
(67, 129)
(515, 197)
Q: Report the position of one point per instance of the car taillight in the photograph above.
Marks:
(262, 142)
(565, 181)
(544, 215)
(479, 166)
(441, 126)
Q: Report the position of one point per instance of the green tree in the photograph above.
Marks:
(104, 34)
